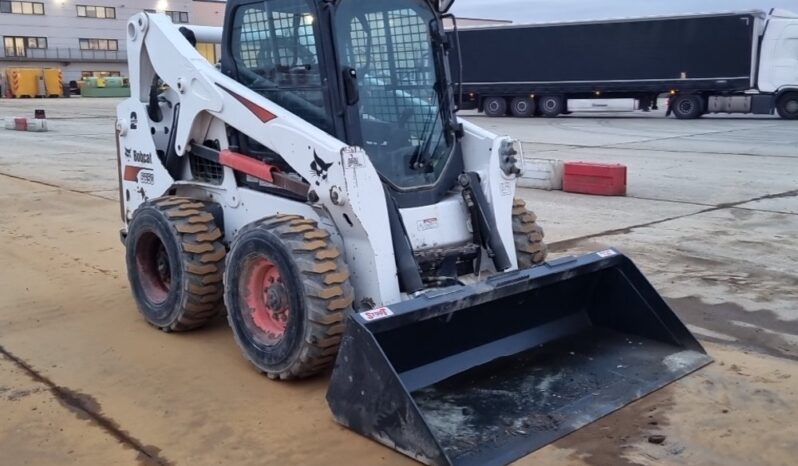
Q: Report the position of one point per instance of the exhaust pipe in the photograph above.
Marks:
(487, 373)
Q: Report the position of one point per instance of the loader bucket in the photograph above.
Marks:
(487, 373)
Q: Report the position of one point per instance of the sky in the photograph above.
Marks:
(526, 11)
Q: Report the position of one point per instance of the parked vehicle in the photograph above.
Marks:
(739, 62)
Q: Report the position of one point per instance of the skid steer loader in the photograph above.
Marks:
(318, 185)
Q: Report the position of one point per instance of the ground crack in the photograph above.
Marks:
(86, 407)
(560, 246)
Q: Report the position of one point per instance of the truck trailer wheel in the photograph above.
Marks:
(175, 263)
(787, 106)
(552, 105)
(287, 292)
(522, 107)
(495, 106)
(687, 106)
(528, 235)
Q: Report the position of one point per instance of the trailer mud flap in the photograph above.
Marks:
(487, 373)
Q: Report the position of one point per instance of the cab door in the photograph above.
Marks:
(275, 47)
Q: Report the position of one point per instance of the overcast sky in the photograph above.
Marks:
(559, 10)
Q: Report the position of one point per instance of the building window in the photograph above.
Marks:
(18, 46)
(89, 11)
(21, 8)
(178, 16)
(99, 44)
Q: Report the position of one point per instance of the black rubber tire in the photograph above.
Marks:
(552, 106)
(495, 106)
(318, 292)
(787, 106)
(522, 107)
(688, 106)
(528, 235)
(175, 263)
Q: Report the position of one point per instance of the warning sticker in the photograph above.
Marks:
(428, 224)
(376, 314)
(607, 253)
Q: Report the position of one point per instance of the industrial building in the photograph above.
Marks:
(87, 37)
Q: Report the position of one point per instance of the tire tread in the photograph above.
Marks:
(329, 294)
(202, 260)
(528, 236)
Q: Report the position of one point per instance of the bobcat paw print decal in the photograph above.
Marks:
(320, 168)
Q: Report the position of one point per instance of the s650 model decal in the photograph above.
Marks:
(139, 175)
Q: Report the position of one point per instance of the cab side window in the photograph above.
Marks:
(276, 55)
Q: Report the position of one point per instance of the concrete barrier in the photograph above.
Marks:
(542, 174)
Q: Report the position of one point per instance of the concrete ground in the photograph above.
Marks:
(711, 219)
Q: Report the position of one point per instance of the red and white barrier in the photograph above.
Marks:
(26, 124)
(597, 179)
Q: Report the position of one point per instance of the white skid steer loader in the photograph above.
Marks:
(320, 187)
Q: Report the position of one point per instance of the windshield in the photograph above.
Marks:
(388, 43)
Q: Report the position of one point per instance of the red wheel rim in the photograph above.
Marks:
(266, 298)
(155, 271)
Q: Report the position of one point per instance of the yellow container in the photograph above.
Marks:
(54, 82)
(24, 82)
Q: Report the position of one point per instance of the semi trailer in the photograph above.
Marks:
(735, 62)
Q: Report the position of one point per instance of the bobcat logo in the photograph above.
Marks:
(128, 153)
(320, 168)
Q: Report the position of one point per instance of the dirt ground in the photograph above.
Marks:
(84, 380)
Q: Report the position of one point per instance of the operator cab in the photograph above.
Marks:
(371, 73)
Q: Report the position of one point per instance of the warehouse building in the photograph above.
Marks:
(87, 37)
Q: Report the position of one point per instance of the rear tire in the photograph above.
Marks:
(552, 106)
(528, 236)
(495, 107)
(175, 262)
(688, 107)
(522, 107)
(787, 106)
(287, 292)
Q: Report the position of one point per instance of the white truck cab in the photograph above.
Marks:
(778, 66)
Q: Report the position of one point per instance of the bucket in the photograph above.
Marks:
(487, 373)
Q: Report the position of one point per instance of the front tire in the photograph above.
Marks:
(495, 107)
(175, 262)
(528, 236)
(287, 292)
(787, 106)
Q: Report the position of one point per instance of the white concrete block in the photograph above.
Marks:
(8, 122)
(37, 126)
(542, 174)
